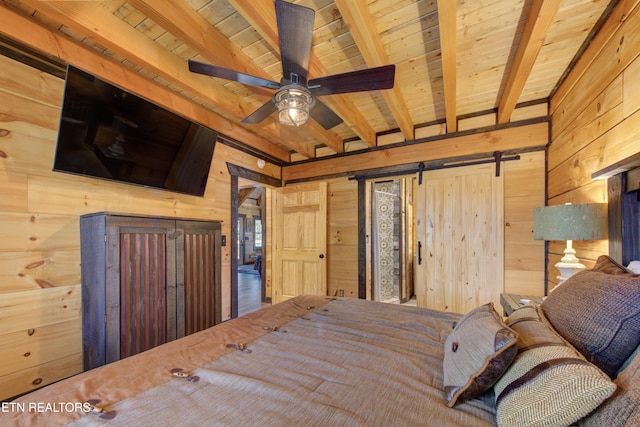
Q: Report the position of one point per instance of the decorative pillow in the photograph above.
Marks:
(623, 408)
(549, 383)
(525, 312)
(476, 354)
(599, 314)
(608, 265)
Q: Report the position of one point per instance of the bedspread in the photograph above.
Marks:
(308, 361)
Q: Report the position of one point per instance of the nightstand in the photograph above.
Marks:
(511, 302)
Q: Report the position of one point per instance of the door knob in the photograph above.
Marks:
(321, 256)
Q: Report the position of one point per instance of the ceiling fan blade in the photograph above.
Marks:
(295, 30)
(261, 113)
(224, 73)
(356, 81)
(324, 115)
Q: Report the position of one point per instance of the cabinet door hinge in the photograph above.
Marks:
(174, 235)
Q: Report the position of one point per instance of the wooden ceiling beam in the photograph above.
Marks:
(196, 32)
(262, 17)
(116, 35)
(540, 18)
(448, 55)
(56, 45)
(356, 16)
(514, 138)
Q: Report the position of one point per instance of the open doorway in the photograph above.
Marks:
(392, 240)
(244, 178)
(250, 249)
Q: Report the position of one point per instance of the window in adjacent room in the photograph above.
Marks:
(257, 233)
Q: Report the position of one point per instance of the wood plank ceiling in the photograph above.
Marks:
(452, 58)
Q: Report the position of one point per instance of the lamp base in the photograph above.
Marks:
(568, 265)
(568, 270)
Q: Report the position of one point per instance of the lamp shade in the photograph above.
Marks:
(571, 222)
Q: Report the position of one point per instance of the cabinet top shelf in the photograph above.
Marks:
(133, 215)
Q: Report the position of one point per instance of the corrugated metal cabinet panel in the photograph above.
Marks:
(146, 281)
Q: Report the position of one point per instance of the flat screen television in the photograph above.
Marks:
(109, 133)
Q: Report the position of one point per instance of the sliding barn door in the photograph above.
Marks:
(460, 238)
(299, 256)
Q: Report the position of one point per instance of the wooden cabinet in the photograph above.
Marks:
(145, 281)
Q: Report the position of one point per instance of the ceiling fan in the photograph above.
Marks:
(296, 98)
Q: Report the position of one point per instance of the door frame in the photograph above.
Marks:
(406, 237)
(237, 172)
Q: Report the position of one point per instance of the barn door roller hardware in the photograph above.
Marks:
(497, 156)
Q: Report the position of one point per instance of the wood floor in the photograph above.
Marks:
(249, 291)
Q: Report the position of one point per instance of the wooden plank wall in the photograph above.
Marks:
(342, 237)
(40, 325)
(524, 182)
(595, 122)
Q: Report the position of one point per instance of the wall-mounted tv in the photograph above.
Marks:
(106, 132)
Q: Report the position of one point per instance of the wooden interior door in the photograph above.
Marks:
(460, 260)
(300, 237)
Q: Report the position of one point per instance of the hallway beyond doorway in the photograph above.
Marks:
(249, 289)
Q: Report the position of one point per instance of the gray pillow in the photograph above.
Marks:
(476, 354)
(599, 314)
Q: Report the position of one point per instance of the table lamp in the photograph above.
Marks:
(570, 222)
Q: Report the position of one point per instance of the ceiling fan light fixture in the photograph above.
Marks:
(293, 103)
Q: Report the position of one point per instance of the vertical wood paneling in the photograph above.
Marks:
(142, 292)
(199, 282)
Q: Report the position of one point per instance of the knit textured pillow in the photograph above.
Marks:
(623, 408)
(599, 314)
(549, 383)
(476, 353)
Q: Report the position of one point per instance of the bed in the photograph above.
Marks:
(335, 355)
(316, 360)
